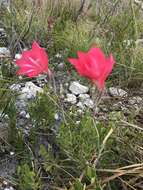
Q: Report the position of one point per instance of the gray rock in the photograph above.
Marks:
(23, 113)
(61, 66)
(113, 91)
(21, 122)
(21, 104)
(29, 91)
(71, 98)
(76, 88)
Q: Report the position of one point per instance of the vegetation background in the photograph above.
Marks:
(93, 155)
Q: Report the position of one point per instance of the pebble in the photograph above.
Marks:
(9, 188)
(113, 91)
(58, 55)
(83, 97)
(61, 66)
(80, 105)
(29, 91)
(80, 111)
(18, 56)
(135, 100)
(5, 182)
(77, 122)
(21, 104)
(71, 98)
(11, 153)
(89, 103)
(4, 52)
(15, 87)
(76, 88)
(27, 116)
(23, 113)
(56, 116)
(138, 2)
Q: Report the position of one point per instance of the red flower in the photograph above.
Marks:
(33, 62)
(93, 65)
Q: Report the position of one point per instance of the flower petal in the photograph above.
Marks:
(33, 62)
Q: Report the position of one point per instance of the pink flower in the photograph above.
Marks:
(94, 65)
(33, 62)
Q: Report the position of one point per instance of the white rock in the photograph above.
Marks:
(18, 56)
(113, 91)
(5, 182)
(139, 41)
(9, 188)
(89, 103)
(20, 77)
(83, 97)
(15, 87)
(12, 153)
(27, 116)
(58, 55)
(138, 2)
(80, 105)
(71, 98)
(2, 30)
(23, 113)
(142, 6)
(76, 88)
(135, 100)
(4, 52)
(56, 116)
(66, 84)
(3, 115)
(80, 111)
(29, 91)
(77, 122)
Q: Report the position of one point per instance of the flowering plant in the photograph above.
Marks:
(94, 66)
(33, 62)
